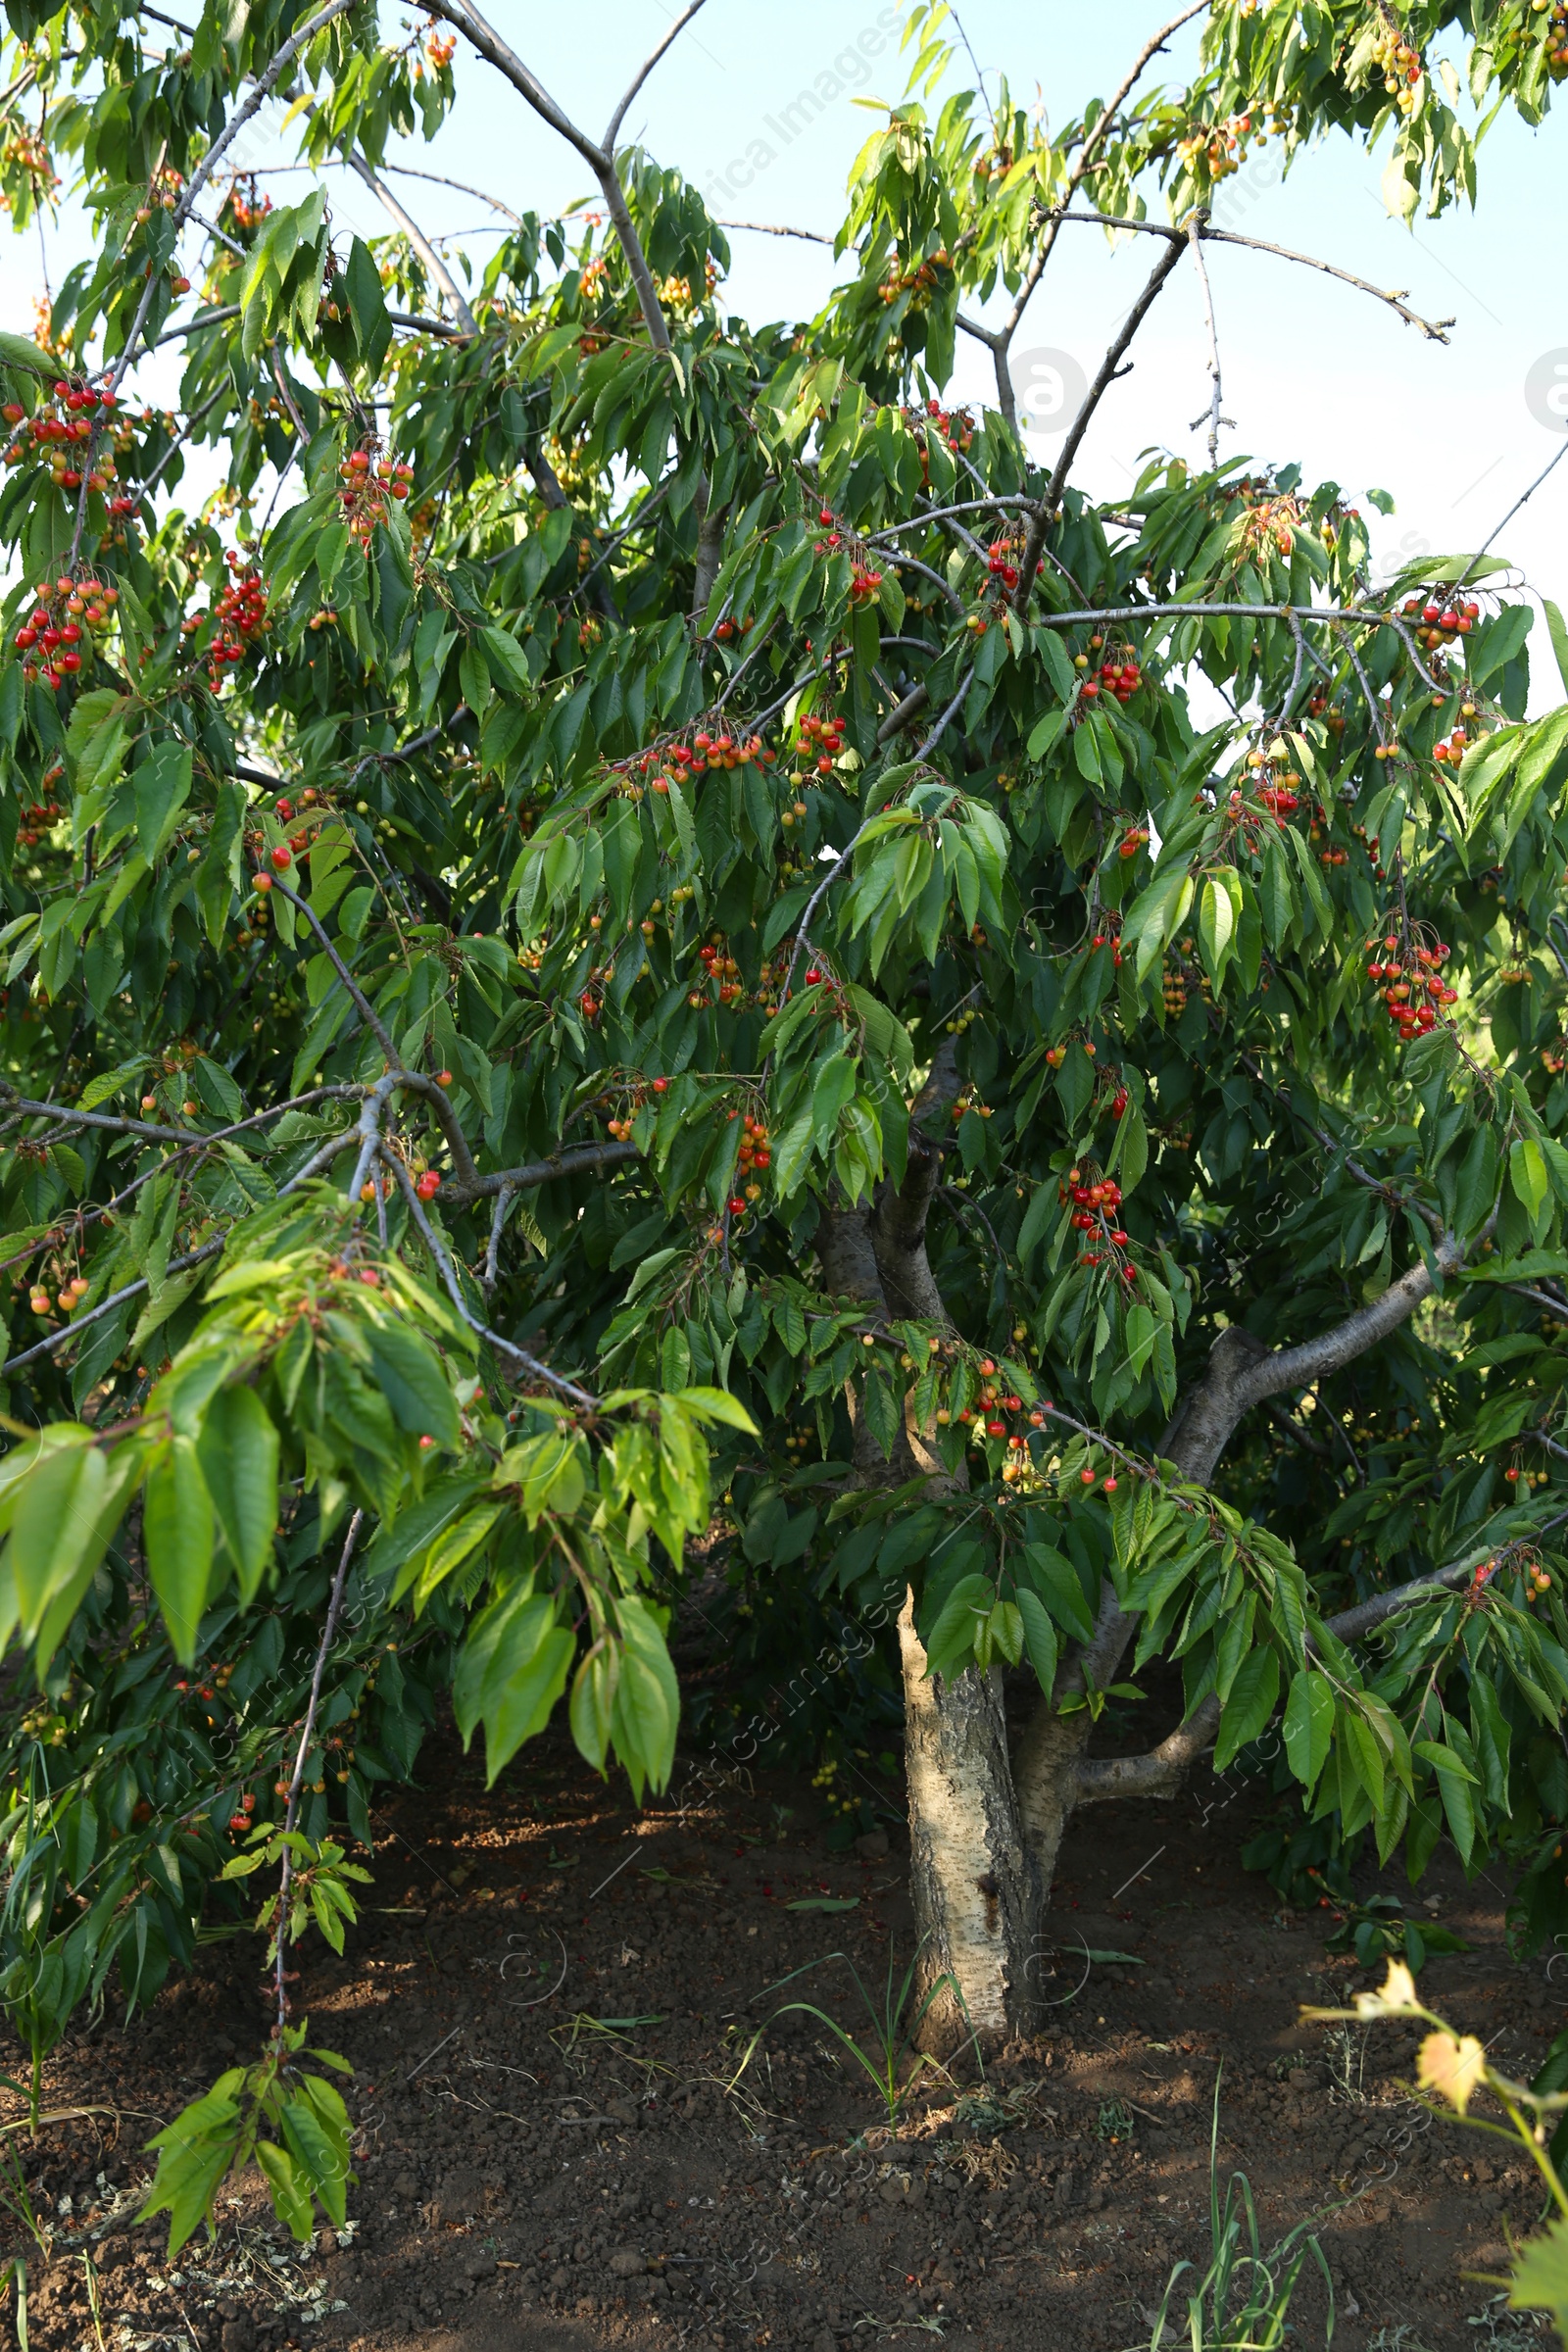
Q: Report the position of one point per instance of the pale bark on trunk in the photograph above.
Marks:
(970, 1882)
(975, 1894)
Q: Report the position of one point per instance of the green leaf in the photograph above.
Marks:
(1308, 1726)
(1040, 1637)
(646, 1713)
(511, 1671)
(1539, 2279)
(178, 1529)
(1527, 1170)
(950, 1644)
(831, 1093)
(238, 1451)
(162, 788)
(1560, 637)
(55, 1526)
(195, 2153)
(1254, 1696)
(413, 1382)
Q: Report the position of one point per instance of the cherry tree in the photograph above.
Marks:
(633, 921)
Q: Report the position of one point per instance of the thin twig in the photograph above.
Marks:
(1196, 246)
(286, 1873)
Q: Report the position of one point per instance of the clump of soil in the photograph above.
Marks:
(548, 2005)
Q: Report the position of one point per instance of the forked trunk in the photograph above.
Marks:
(971, 1881)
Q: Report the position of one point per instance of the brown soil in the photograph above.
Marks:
(531, 2179)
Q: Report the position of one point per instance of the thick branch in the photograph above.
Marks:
(590, 1159)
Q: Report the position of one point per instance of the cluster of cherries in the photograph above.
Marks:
(919, 281)
(248, 211)
(1557, 42)
(755, 1156)
(1173, 987)
(677, 763)
(819, 741)
(68, 437)
(864, 578)
(1120, 676)
(954, 425)
(1411, 984)
(240, 615)
(1136, 838)
(24, 150)
(40, 812)
(1441, 623)
(55, 637)
(718, 965)
(239, 1822)
(1091, 1204)
(67, 1299)
(1002, 562)
(440, 48)
(1451, 750)
(620, 1128)
(368, 481)
(283, 852)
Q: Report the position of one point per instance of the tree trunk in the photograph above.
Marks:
(970, 1879)
(974, 1893)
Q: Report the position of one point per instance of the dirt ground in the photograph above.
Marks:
(549, 1994)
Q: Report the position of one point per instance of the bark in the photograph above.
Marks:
(970, 1877)
(975, 1894)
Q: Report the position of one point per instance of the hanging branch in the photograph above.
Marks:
(286, 1872)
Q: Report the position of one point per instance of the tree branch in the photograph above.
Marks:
(1161, 1771)
(1108, 366)
(590, 1159)
(1079, 173)
(484, 37)
(419, 241)
(1432, 328)
(672, 34)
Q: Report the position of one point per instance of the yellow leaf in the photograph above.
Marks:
(1393, 1997)
(1455, 2069)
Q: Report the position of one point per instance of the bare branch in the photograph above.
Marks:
(297, 1780)
(589, 1159)
(1082, 167)
(767, 229)
(439, 179)
(419, 241)
(530, 1365)
(1432, 328)
(1109, 367)
(1194, 243)
(484, 37)
(1513, 511)
(672, 34)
